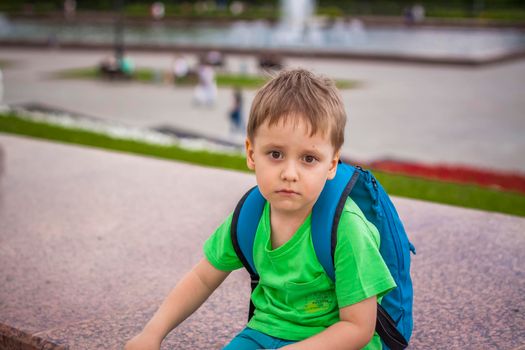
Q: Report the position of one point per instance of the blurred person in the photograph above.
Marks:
(215, 58)
(112, 67)
(236, 117)
(180, 68)
(270, 61)
(157, 10)
(2, 106)
(407, 15)
(418, 13)
(414, 14)
(70, 9)
(126, 66)
(237, 8)
(1, 87)
(205, 92)
(109, 66)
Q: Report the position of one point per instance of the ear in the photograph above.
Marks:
(333, 166)
(250, 162)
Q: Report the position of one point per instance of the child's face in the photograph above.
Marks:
(291, 166)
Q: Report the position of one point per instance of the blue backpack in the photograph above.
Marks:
(394, 314)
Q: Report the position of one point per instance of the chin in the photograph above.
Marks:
(286, 205)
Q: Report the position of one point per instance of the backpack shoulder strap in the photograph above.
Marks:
(244, 224)
(243, 228)
(327, 212)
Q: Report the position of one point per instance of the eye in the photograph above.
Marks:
(275, 154)
(309, 159)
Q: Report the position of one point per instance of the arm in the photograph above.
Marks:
(194, 288)
(354, 330)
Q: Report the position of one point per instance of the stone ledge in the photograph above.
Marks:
(92, 241)
(12, 338)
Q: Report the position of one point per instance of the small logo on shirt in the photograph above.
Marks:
(317, 302)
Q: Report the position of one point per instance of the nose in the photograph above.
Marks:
(289, 172)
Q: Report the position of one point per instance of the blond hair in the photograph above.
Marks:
(299, 93)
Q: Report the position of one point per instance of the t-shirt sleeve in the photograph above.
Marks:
(359, 267)
(218, 248)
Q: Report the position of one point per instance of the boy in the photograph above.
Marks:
(295, 133)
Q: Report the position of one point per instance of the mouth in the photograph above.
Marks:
(287, 192)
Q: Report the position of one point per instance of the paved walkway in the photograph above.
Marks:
(91, 241)
(430, 114)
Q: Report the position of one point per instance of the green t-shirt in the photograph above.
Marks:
(295, 299)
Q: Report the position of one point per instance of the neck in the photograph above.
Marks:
(285, 224)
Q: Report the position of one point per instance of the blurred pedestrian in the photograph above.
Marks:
(180, 68)
(206, 90)
(418, 13)
(2, 107)
(126, 66)
(236, 117)
(215, 59)
(70, 9)
(1, 87)
(157, 10)
(108, 67)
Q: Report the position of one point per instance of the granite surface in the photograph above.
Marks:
(91, 242)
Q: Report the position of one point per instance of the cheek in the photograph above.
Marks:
(266, 190)
(316, 183)
(263, 180)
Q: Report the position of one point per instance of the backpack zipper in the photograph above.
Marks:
(400, 260)
(390, 221)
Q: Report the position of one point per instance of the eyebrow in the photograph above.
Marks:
(281, 146)
(274, 145)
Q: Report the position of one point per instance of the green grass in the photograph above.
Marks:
(147, 75)
(13, 124)
(470, 196)
(241, 81)
(464, 195)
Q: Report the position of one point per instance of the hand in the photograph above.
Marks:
(143, 341)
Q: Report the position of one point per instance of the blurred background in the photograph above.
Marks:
(434, 90)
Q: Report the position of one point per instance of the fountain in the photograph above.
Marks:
(296, 20)
(298, 27)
